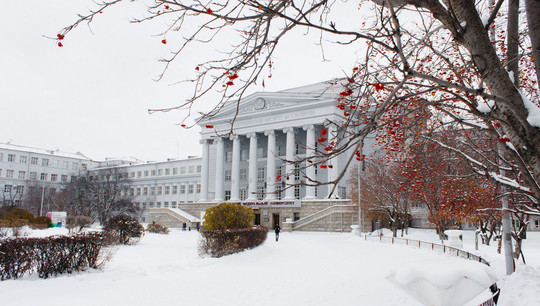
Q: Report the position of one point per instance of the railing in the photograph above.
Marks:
(321, 214)
(440, 248)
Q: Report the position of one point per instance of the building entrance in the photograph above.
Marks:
(276, 220)
(257, 219)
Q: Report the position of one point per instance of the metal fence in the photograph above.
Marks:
(436, 247)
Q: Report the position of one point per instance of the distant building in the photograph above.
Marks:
(22, 166)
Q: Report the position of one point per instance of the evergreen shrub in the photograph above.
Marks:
(227, 216)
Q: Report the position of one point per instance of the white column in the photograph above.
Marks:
(289, 166)
(310, 168)
(220, 157)
(204, 170)
(333, 164)
(271, 166)
(235, 171)
(252, 186)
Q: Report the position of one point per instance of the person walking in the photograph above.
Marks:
(276, 230)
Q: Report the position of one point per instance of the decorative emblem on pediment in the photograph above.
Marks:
(260, 104)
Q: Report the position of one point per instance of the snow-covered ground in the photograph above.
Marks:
(300, 269)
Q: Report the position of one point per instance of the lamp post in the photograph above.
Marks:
(359, 170)
(42, 196)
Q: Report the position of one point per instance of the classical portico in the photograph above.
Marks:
(272, 134)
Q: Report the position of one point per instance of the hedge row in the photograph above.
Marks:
(49, 256)
(225, 242)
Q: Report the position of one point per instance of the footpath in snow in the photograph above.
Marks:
(300, 269)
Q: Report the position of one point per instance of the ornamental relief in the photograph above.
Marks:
(260, 104)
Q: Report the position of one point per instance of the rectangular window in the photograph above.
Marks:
(160, 172)
(243, 174)
(138, 191)
(173, 204)
(145, 173)
(228, 175)
(182, 189)
(11, 158)
(183, 170)
(158, 204)
(167, 189)
(278, 192)
(145, 190)
(166, 204)
(297, 192)
(244, 155)
(174, 189)
(54, 177)
(227, 195)
(191, 169)
(63, 178)
(168, 171)
(199, 168)
(34, 160)
(74, 166)
(23, 159)
(7, 188)
(159, 190)
(297, 172)
(150, 204)
(84, 166)
(191, 188)
(243, 194)
(152, 190)
(175, 171)
(139, 174)
(45, 162)
(198, 188)
(33, 175)
(260, 152)
(153, 173)
(131, 191)
(260, 192)
(65, 165)
(228, 157)
(19, 189)
(260, 175)
(296, 216)
(9, 173)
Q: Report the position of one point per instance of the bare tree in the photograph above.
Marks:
(419, 54)
(98, 194)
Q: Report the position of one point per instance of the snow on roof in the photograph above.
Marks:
(57, 152)
(186, 215)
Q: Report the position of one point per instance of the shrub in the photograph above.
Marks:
(49, 256)
(123, 229)
(41, 222)
(228, 216)
(15, 213)
(78, 223)
(225, 242)
(157, 228)
(18, 227)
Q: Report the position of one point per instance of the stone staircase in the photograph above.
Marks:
(172, 217)
(336, 218)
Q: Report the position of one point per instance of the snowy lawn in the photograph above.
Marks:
(300, 269)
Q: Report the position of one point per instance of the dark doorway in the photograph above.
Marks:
(257, 219)
(276, 220)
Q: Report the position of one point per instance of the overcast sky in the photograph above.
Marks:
(92, 95)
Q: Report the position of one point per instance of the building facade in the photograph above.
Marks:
(22, 167)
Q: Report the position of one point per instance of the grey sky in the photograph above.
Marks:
(92, 95)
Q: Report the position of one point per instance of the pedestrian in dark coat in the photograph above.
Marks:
(277, 229)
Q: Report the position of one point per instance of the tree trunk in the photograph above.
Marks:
(533, 19)
(513, 40)
(510, 108)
